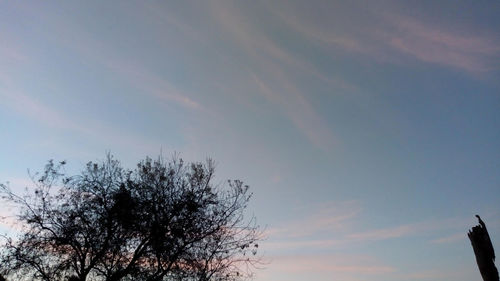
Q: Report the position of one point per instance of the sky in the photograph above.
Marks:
(368, 131)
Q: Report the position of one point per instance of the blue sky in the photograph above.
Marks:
(367, 130)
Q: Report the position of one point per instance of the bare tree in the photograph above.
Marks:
(159, 221)
(483, 250)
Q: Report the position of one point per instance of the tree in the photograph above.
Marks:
(159, 221)
(483, 250)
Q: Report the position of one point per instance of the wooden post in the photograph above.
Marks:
(483, 249)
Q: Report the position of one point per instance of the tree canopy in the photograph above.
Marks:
(163, 220)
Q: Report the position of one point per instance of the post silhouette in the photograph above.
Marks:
(483, 250)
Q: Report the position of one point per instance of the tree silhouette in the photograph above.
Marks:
(483, 250)
(160, 221)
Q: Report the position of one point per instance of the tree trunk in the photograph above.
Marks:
(483, 249)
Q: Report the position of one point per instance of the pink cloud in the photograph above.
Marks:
(11, 55)
(336, 222)
(435, 44)
(18, 184)
(35, 109)
(302, 235)
(450, 238)
(271, 74)
(298, 110)
(287, 244)
(319, 32)
(386, 233)
(329, 264)
(10, 223)
(412, 229)
(329, 218)
(469, 51)
(454, 273)
(53, 118)
(8, 218)
(150, 83)
(136, 74)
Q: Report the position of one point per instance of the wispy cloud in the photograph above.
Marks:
(326, 219)
(387, 233)
(454, 273)
(322, 228)
(435, 44)
(332, 225)
(299, 110)
(149, 82)
(330, 264)
(70, 36)
(8, 218)
(10, 54)
(52, 118)
(30, 106)
(9, 222)
(450, 238)
(412, 229)
(136, 74)
(279, 245)
(16, 184)
(392, 35)
(270, 72)
(326, 34)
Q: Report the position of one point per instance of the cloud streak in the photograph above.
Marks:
(450, 238)
(333, 225)
(37, 111)
(270, 72)
(135, 74)
(412, 229)
(29, 106)
(328, 218)
(392, 36)
(386, 233)
(151, 83)
(433, 44)
(330, 264)
(299, 111)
